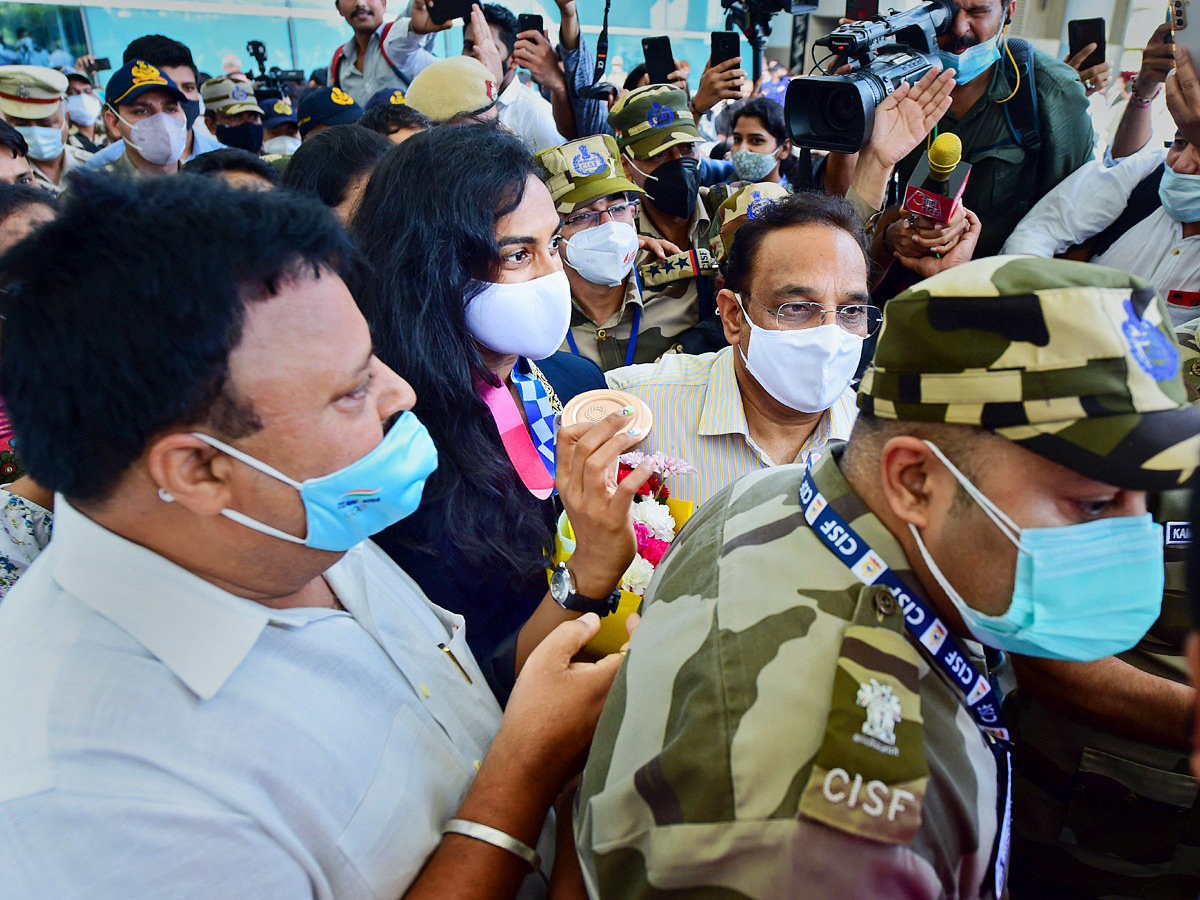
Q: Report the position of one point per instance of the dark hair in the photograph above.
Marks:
(430, 252)
(320, 76)
(767, 111)
(634, 76)
(801, 208)
(11, 138)
(129, 332)
(16, 197)
(502, 17)
(232, 159)
(160, 50)
(388, 118)
(328, 162)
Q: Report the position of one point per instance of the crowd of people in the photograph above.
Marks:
(343, 423)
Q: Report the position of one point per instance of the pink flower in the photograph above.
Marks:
(649, 548)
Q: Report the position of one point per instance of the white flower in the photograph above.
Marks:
(637, 577)
(664, 466)
(656, 517)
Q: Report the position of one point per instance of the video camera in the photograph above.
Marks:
(753, 17)
(837, 112)
(274, 78)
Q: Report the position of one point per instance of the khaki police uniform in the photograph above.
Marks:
(775, 730)
(647, 122)
(578, 173)
(34, 92)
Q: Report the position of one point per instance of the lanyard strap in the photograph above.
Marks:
(633, 338)
(530, 450)
(932, 634)
(921, 621)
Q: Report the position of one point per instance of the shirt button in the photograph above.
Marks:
(425, 691)
(1175, 252)
(476, 765)
(601, 334)
(885, 602)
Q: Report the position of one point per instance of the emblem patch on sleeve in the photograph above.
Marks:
(870, 774)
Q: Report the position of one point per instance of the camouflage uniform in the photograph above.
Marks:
(647, 122)
(740, 206)
(775, 730)
(578, 173)
(1101, 815)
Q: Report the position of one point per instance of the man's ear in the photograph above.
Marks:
(111, 123)
(910, 478)
(732, 316)
(194, 474)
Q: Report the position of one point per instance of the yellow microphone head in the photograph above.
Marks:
(945, 155)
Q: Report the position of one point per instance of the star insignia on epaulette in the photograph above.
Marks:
(669, 265)
(654, 269)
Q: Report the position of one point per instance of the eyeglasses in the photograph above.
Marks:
(858, 319)
(618, 212)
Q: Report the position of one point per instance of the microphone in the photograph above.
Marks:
(938, 182)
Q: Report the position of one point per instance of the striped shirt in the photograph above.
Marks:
(699, 418)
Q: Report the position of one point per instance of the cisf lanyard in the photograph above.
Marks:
(931, 633)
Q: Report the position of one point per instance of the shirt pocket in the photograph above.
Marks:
(417, 786)
(997, 176)
(1128, 809)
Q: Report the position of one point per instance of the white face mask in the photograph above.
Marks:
(528, 319)
(806, 369)
(284, 145)
(84, 109)
(159, 139)
(45, 144)
(604, 254)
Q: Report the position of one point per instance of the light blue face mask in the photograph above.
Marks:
(1180, 195)
(973, 61)
(1082, 592)
(344, 508)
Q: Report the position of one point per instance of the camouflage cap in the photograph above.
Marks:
(1189, 358)
(230, 97)
(651, 119)
(742, 205)
(1073, 361)
(579, 172)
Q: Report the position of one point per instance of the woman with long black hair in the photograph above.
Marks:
(468, 301)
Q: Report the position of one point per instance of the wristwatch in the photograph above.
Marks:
(562, 589)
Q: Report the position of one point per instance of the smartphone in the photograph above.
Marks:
(1080, 33)
(725, 45)
(660, 61)
(529, 22)
(442, 11)
(862, 9)
(1185, 32)
(101, 65)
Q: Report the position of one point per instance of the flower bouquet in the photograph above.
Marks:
(657, 518)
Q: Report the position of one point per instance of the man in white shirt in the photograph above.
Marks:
(210, 685)
(370, 61)
(523, 111)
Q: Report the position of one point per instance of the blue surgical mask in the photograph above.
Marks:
(973, 61)
(344, 508)
(1082, 592)
(1180, 195)
(45, 144)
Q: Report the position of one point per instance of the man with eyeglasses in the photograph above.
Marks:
(616, 320)
(795, 309)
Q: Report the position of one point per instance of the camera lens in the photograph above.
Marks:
(842, 109)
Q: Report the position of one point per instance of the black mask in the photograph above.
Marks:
(674, 186)
(247, 136)
(191, 109)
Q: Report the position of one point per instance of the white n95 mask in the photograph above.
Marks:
(604, 254)
(528, 319)
(806, 369)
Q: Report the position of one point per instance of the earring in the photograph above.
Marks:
(165, 496)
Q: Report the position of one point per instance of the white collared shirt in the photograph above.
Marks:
(529, 115)
(377, 72)
(164, 738)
